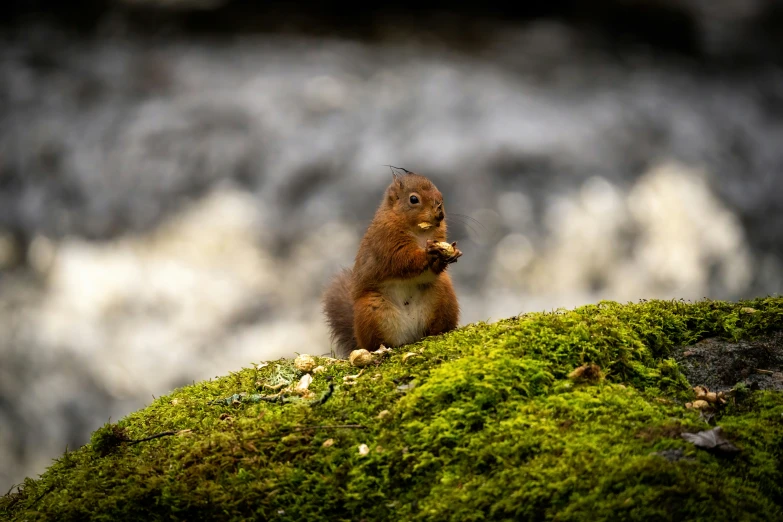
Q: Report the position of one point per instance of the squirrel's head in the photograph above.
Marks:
(417, 200)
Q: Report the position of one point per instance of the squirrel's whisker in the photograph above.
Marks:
(470, 218)
(463, 223)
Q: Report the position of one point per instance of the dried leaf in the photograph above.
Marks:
(319, 369)
(384, 414)
(748, 310)
(700, 404)
(364, 450)
(712, 440)
(328, 443)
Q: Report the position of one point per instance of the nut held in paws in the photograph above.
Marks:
(446, 247)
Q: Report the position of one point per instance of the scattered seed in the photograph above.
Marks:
(700, 391)
(304, 363)
(408, 356)
(360, 358)
(589, 372)
(351, 379)
(304, 382)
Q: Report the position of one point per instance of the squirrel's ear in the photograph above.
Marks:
(395, 189)
(392, 194)
(396, 185)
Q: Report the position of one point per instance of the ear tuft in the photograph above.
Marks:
(396, 176)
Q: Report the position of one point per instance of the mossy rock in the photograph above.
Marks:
(482, 424)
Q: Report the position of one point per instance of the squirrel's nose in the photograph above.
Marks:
(439, 215)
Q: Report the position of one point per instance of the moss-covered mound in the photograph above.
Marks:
(482, 424)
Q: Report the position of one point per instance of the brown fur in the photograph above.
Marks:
(398, 290)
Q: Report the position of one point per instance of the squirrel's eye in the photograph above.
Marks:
(414, 200)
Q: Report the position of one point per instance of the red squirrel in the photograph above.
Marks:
(398, 291)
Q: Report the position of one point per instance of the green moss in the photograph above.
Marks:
(483, 423)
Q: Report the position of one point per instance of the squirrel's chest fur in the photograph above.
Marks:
(411, 303)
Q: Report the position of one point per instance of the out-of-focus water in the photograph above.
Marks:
(182, 202)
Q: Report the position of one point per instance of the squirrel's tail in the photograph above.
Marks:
(338, 308)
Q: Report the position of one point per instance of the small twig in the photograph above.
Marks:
(13, 500)
(11, 488)
(42, 495)
(765, 371)
(298, 429)
(323, 398)
(327, 427)
(156, 436)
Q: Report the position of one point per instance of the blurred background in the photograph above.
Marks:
(180, 178)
